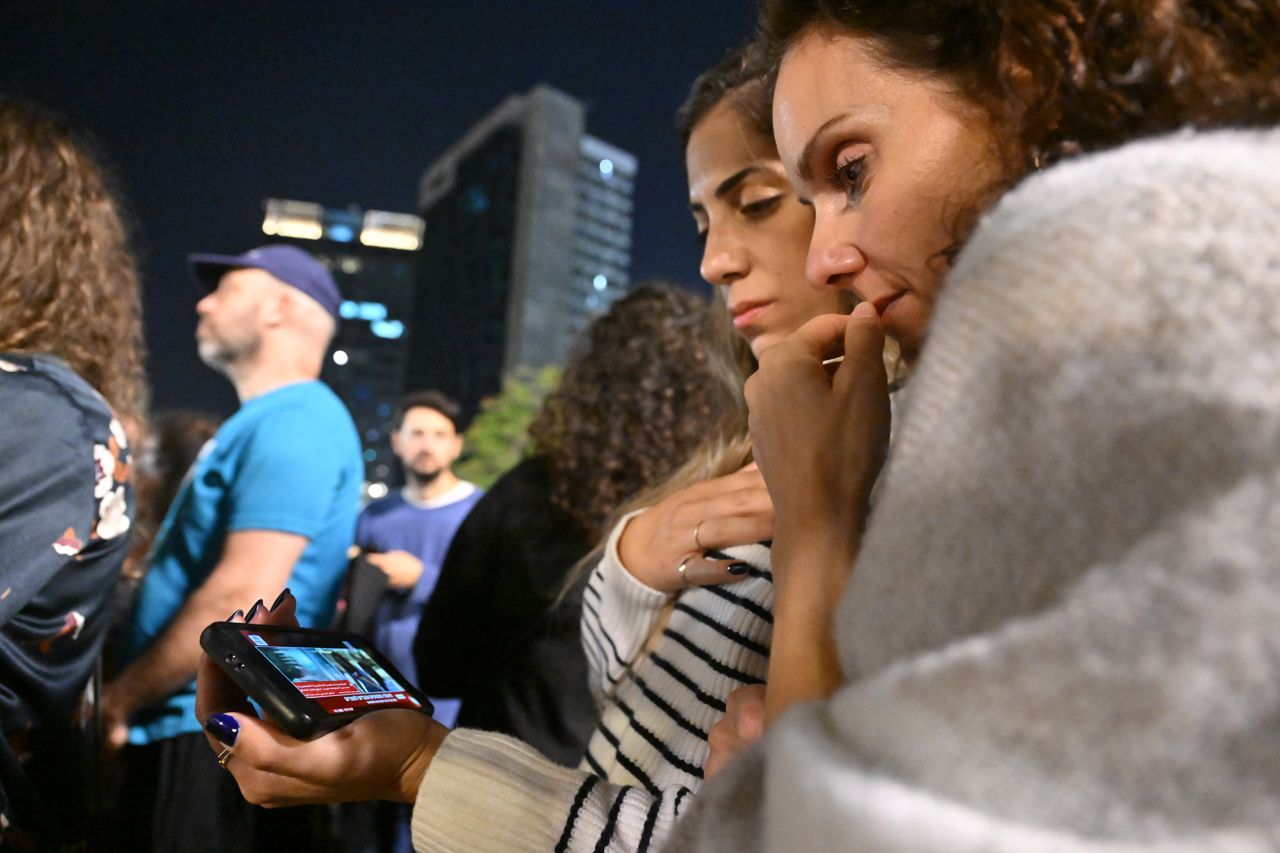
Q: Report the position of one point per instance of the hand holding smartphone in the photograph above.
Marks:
(309, 681)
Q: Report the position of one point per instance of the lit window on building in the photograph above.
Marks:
(386, 230)
(371, 311)
(341, 233)
(388, 329)
(298, 220)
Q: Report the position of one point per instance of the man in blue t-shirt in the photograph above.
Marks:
(271, 502)
(407, 534)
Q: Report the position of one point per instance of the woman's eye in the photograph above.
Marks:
(762, 207)
(849, 177)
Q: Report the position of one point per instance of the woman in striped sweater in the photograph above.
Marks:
(676, 611)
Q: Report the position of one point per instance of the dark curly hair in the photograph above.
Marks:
(1066, 77)
(68, 285)
(639, 394)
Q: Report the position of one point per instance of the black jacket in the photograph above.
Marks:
(493, 632)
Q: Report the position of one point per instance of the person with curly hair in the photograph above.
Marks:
(638, 395)
(1056, 629)
(70, 282)
(71, 358)
(636, 398)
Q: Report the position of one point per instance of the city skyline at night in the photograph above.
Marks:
(203, 111)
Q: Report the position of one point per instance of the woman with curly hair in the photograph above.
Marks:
(68, 284)
(1057, 629)
(638, 395)
(70, 370)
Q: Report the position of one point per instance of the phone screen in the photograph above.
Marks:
(340, 677)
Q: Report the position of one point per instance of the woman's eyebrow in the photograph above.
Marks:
(727, 185)
(802, 167)
(868, 116)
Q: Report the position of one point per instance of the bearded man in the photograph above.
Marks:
(270, 503)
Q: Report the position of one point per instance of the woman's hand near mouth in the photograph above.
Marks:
(820, 436)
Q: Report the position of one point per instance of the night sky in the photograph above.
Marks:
(204, 109)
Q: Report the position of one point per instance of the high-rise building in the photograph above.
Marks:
(373, 256)
(527, 238)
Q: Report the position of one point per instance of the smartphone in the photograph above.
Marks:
(309, 681)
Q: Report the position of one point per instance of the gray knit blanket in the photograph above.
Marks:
(1063, 632)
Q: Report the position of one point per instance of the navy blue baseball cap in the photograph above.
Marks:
(290, 264)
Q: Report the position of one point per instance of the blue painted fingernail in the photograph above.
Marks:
(224, 727)
(239, 614)
(737, 568)
(253, 611)
(280, 598)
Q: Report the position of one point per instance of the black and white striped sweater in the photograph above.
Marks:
(660, 696)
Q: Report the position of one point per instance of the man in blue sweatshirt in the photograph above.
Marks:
(407, 534)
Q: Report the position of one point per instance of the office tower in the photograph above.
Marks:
(373, 256)
(527, 238)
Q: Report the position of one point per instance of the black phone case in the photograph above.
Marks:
(297, 715)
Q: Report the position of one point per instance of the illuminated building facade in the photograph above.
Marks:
(528, 237)
(373, 256)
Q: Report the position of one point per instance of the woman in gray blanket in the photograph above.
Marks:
(1057, 629)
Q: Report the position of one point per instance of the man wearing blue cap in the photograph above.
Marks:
(271, 502)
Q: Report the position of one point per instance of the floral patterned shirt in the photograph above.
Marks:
(65, 508)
